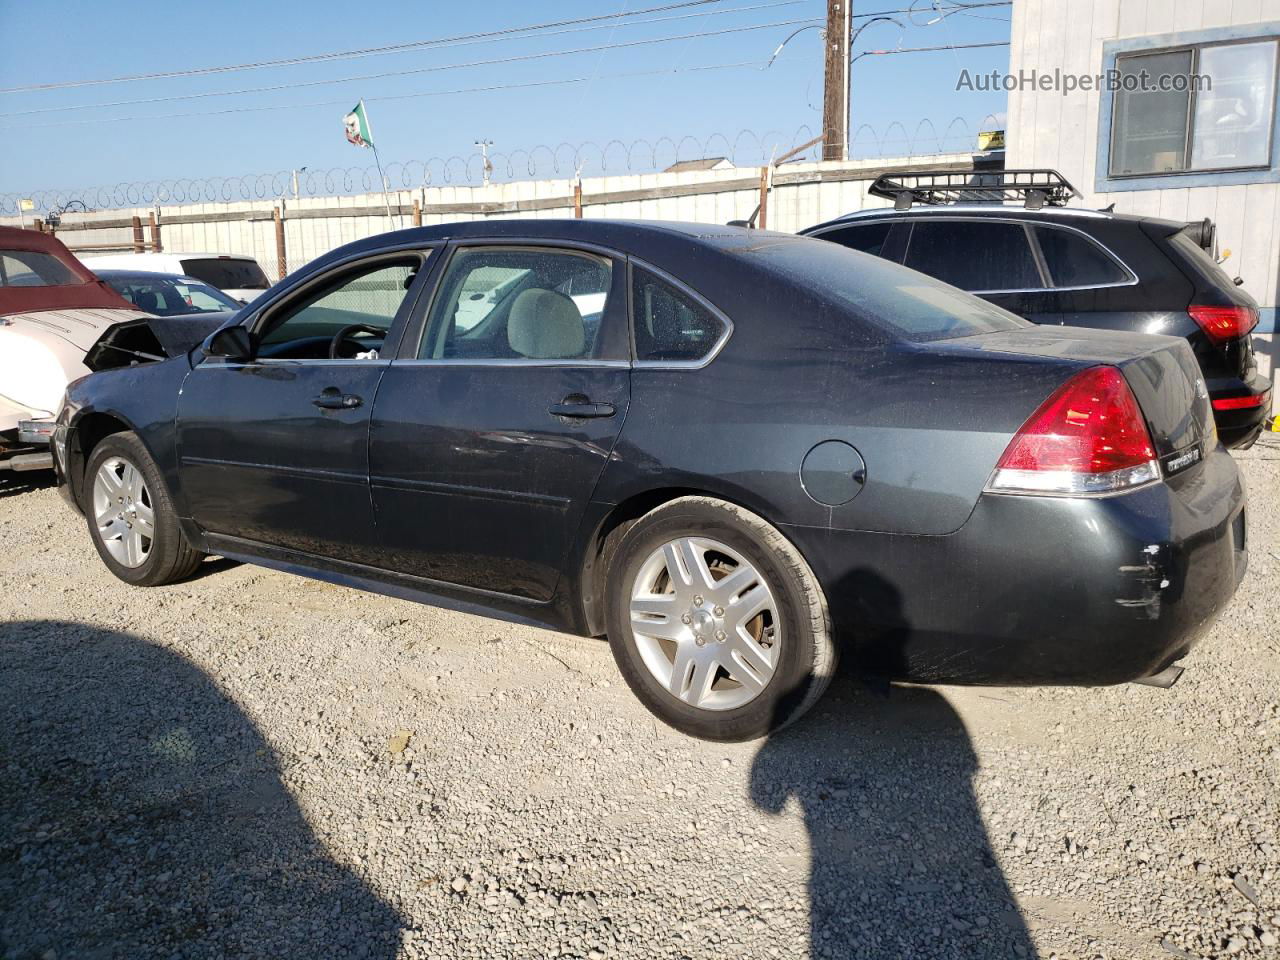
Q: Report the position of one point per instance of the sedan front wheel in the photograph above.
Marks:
(131, 518)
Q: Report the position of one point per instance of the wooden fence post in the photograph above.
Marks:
(577, 199)
(156, 246)
(417, 213)
(762, 221)
(281, 260)
(138, 244)
(38, 225)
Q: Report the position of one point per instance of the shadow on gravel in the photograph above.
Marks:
(901, 865)
(12, 484)
(142, 815)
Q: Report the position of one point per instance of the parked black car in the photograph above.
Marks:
(732, 451)
(1058, 265)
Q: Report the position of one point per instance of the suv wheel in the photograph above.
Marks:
(716, 622)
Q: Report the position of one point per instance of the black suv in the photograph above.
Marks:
(1054, 264)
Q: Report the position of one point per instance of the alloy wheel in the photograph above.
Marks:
(123, 511)
(705, 623)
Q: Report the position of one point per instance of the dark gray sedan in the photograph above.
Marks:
(735, 453)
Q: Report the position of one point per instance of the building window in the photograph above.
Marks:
(1207, 107)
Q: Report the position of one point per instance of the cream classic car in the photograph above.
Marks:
(59, 322)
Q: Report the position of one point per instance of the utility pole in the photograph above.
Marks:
(835, 90)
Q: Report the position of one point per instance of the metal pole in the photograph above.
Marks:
(382, 178)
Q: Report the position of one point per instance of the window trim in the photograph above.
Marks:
(1037, 254)
(688, 291)
(1114, 50)
(263, 316)
(411, 345)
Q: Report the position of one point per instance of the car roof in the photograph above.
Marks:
(184, 255)
(648, 239)
(1001, 210)
(115, 273)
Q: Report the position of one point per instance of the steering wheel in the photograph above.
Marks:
(348, 332)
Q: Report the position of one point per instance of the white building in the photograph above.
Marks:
(1182, 154)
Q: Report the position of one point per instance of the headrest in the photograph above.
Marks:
(545, 325)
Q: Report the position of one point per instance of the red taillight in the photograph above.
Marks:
(1241, 403)
(1221, 324)
(1088, 437)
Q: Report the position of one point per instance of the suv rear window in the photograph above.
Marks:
(227, 274)
(27, 268)
(974, 255)
(1076, 261)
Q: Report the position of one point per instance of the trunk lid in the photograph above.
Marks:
(1161, 371)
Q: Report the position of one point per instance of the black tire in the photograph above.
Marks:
(807, 658)
(169, 557)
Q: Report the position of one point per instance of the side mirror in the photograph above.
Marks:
(230, 343)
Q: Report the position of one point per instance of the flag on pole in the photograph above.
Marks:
(357, 124)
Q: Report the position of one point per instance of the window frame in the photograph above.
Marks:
(1029, 228)
(1194, 42)
(418, 329)
(681, 287)
(261, 314)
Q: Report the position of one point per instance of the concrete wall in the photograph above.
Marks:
(1048, 129)
(803, 194)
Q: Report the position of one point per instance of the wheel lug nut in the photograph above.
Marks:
(719, 611)
(686, 619)
(720, 635)
(697, 601)
(700, 640)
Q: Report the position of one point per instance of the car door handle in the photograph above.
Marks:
(338, 401)
(580, 408)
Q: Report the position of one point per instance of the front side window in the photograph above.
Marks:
(974, 255)
(1206, 107)
(27, 268)
(670, 325)
(360, 304)
(518, 304)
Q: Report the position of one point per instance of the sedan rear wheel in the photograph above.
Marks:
(131, 518)
(716, 621)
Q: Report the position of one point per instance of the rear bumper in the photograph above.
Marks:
(1041, 590)
(1240, 427)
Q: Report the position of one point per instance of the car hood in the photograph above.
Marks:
(145, 338)
(79, 328)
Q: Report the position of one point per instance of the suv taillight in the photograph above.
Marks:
(1222, 324)
(1087, 438)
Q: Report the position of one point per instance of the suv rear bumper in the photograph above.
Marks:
(1041, 590)
(1240, 427)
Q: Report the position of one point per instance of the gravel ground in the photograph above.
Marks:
(257, 765)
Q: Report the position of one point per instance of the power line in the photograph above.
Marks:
(399, 96)
(949, 46)
(459, 39)
(403, 73)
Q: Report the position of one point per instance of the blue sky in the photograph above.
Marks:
(56, 41)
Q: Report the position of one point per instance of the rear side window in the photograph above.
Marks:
(227, 274)
(670, 325)
(1199, 261)
(1076, 261)
(26, 268)
(974, 255)
(867, 237)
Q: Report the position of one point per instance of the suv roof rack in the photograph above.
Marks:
(1035, 188)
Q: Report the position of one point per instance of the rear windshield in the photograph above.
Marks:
(26, 268)
(227, 274)
(904, 303)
